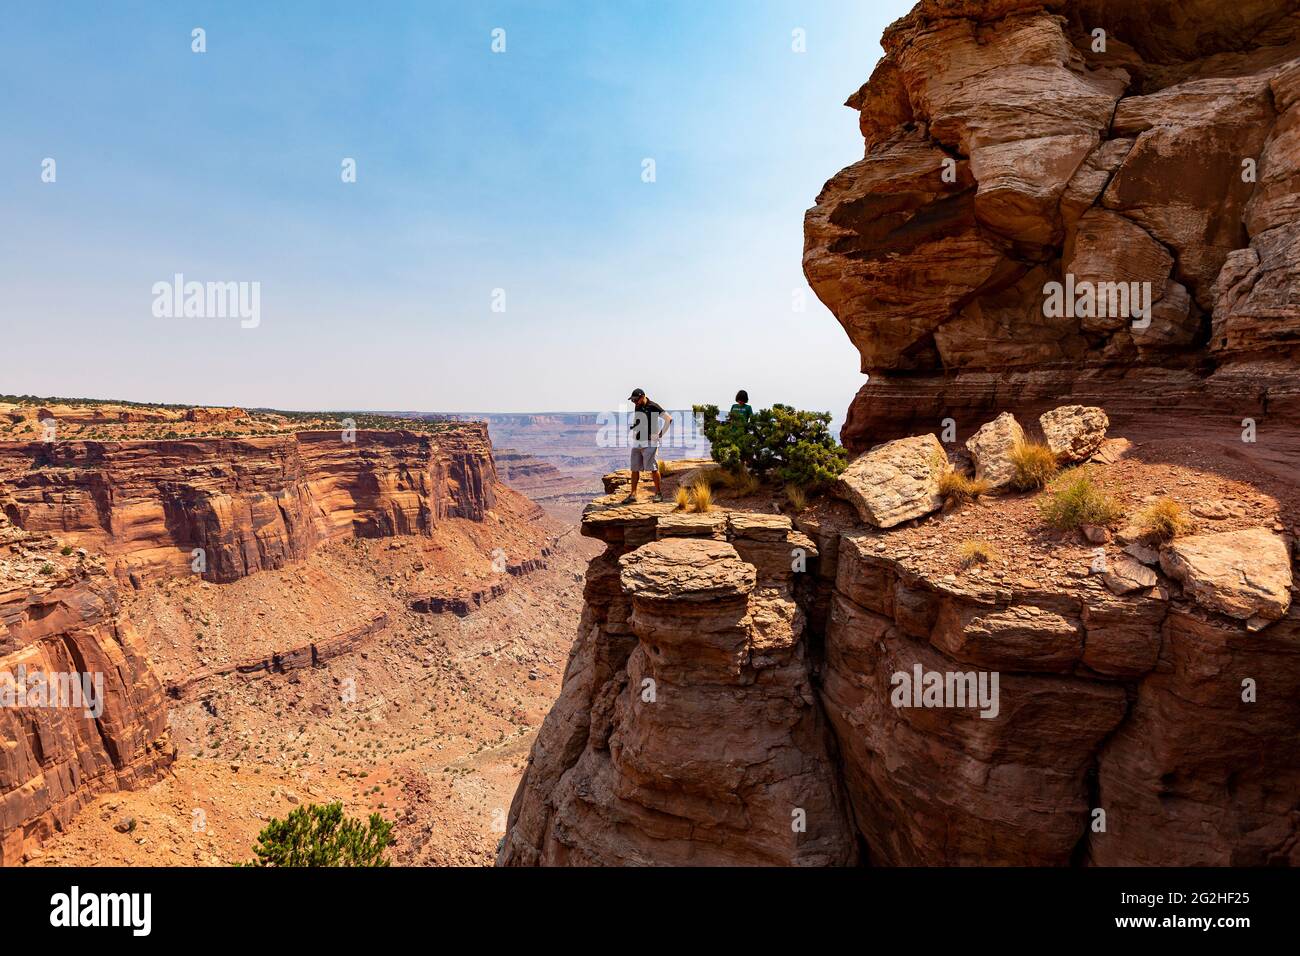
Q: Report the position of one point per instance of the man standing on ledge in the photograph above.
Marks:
(648, 423)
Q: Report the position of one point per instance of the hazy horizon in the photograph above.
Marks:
(483, 179)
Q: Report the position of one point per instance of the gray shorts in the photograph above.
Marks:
(643, 459)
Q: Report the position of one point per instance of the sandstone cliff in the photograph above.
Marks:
(250, 503)
(1010, 145)
(59, 615)
(80, 518)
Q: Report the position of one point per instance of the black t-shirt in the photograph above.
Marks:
(644, 421)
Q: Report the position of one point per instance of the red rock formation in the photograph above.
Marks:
(250, 503)
(59, 615)
(1169, 158)
(687, 731)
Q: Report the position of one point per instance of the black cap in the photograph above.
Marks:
(636, 393)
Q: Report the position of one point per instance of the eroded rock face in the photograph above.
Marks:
(59, 615)
(250, 504)
(687, 730)
(896, 481)
(1004, 153)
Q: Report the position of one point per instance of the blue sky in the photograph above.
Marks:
(476, 171)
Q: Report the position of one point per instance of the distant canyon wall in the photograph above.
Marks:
(251, 503)
(1007, 150)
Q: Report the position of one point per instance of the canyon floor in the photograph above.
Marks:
(427, 721)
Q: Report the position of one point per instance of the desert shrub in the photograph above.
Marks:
(960, 488)
(1035, 465)
(974, 551)
(47, 568)
(1073, 499)
(66, 550)
(1165, 519)
(684, 499)
(797, 497)
(740, 482)
(795, 447)
(701, 496)
(666, 468)
(320, 835)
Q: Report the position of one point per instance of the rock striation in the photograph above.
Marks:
(249, 504)
(1149, 182)
(60, 618)
(687, 730)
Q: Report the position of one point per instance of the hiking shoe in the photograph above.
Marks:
(657, 499)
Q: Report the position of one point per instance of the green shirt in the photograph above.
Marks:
(745, 411)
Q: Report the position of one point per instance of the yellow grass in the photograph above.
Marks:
(954, 486)
(1035, 465)
(797, 497)
(1165, 519)
(975, 551)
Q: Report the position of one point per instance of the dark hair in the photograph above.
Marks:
(742, 396)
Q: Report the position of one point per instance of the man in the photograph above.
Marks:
(648, 423)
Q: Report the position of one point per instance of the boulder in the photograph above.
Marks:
(896, 481)
(1074, 432)
(1243, 574)
(991, 449)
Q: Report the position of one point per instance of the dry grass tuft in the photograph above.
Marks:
(974, 551)
(1165, 519)
(1035, 465)
(797, 497)
(961, 489)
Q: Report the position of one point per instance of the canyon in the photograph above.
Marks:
(729, 699)
(277, 611)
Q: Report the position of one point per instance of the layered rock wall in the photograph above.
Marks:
(250, 504)
(59, 615)
(1018, 143)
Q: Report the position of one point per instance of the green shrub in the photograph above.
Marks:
(317, 835)
(795, 447)
(1074, 499)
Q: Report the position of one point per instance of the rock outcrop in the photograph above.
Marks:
(1048, 215)
(1243, 574)
(247, 504)
(60, 621)
(687, 730)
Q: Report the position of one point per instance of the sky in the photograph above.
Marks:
(504, 246)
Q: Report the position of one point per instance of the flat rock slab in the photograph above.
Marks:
(1243, 574)
(686, 569)
(896, 481)
(1125, 575)
(759, 527)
